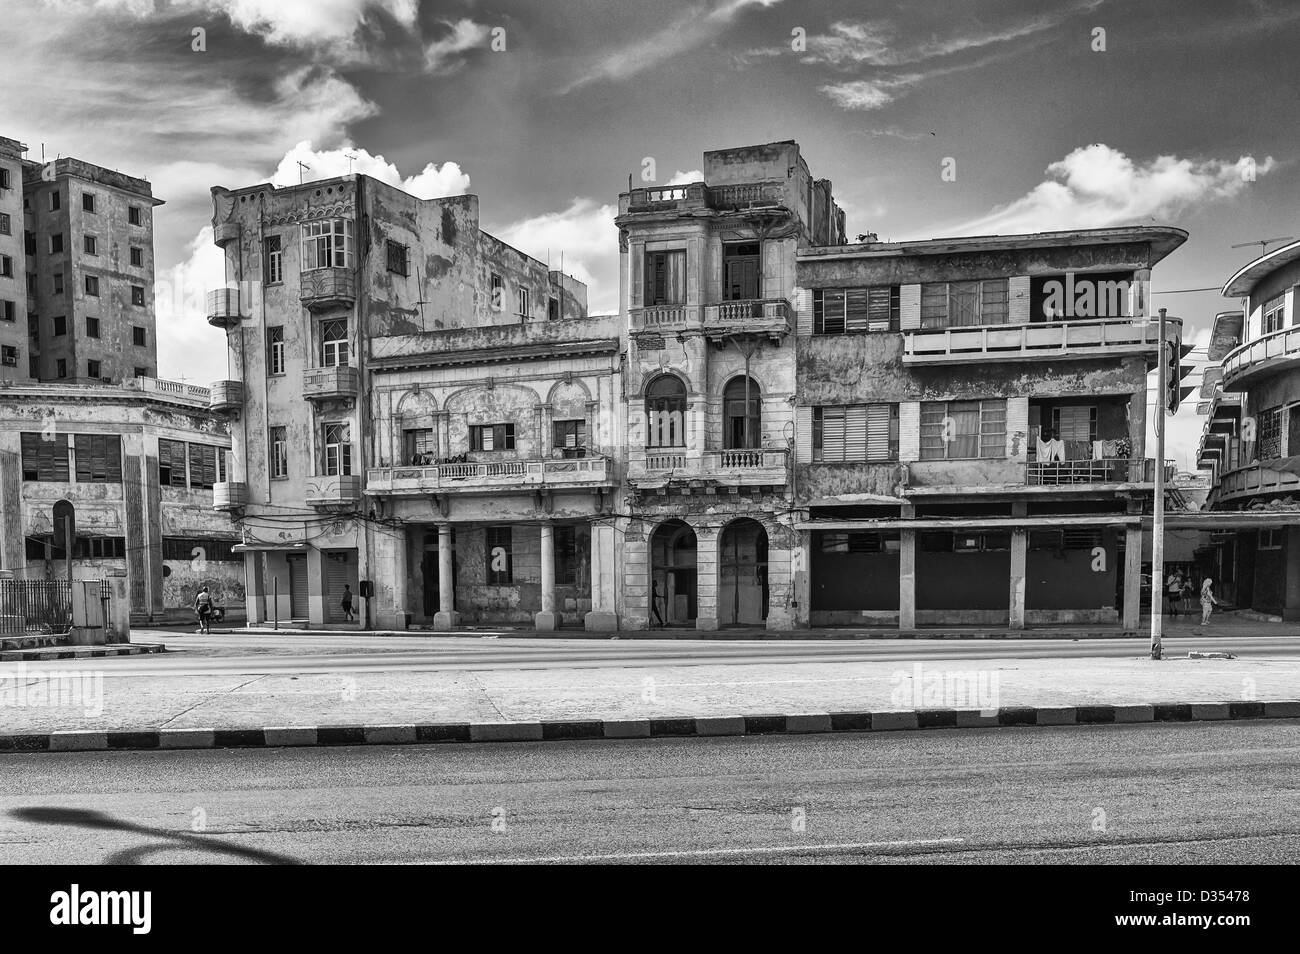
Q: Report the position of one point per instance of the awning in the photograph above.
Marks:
(267, 547)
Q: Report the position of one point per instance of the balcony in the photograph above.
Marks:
(665, 317)
(737, 197)
(1261, 358)
(1256, 479)
(225, 233)
(757, 467)
(229, 495)
(226, 397)
(1037, 341)
(324, 288)
(224, 308)
(478, 477)
(341, 491)
(1093, 473)
(330, 384)
(761, 316)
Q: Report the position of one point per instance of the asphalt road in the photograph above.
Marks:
(1166, 793)
(244, 654)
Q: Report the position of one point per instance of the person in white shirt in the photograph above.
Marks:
(1208, 602)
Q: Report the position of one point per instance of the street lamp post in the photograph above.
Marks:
(1158, 521)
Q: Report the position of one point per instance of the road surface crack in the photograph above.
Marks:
(208, 699)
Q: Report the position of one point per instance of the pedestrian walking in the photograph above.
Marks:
(1208, 601)
(654, 602)
(1173, 592)
(203, 606)
(347, 602)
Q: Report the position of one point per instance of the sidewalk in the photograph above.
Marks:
(493, 704)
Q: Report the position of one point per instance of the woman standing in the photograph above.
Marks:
(1208, 602)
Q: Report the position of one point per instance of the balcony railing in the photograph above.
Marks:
(339, 490)
(224, 308)
(479, 476)
(226, 396)
(229, 495)
(1255, 479)
(696, 195)
(1105, 471)
(322, 288)
(329, 383)
(1260, 357)
(750, 466)
(175, 389)
(746, 195)
(1031, 342)
(762, 315)
(654, 317)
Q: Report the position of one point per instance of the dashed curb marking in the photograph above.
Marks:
(702, 726)
(88, 652)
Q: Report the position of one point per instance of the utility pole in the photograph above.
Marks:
(302, 167)
(1158, 521)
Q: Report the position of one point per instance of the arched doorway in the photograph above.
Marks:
(665, 409)
(672, 575)
(742, 580)
(742, 411)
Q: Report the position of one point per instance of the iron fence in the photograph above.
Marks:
(35, 607)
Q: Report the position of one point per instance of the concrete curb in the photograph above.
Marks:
(686, 726)
(54, 654)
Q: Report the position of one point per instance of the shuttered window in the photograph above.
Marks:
(171, 463)
(955, 430)
(99, 458)
(963, 304)
(837, 311)
(855, 432)
(203, 467)
(45, 459)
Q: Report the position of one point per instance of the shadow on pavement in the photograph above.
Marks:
(85, 818)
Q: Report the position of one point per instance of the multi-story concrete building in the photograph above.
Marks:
(420, 408)
(1251, 440)
(15, 364)
(971, 420)
(135, 467)
(707, 282)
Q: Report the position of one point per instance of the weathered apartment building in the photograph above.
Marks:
(1251, 440)
(422, 415)
(84, 425)
(971, 426)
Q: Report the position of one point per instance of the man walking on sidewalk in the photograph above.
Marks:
(203, 606)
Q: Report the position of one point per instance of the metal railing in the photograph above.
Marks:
(1113, 470)
(35, 607)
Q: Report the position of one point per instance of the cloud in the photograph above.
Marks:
(1097, 186)
(312, 22)
(586, 234)
(431, 182)
(187, 344)
(691, 30)
(866, 94)
(444, 55)
(685, 178)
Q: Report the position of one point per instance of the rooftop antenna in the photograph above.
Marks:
(350, 157)
(1264, 243)
(302, 167)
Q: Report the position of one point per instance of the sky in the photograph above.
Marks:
(1053, 114)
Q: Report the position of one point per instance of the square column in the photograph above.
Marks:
(254, 589)
(391, 583)
(546, 620)
(1019, 558)
(1132, 617)
(604, 570)
(907, 579)
(446, 618)
(706, 577)
(316, 595)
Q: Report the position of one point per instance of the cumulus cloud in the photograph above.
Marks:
(187, 344)
(445, 54)
(586, 234)
(431, 182)
(685, 178)
(1098, 186)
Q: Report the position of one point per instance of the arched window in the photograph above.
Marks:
(742, 428)
(665, 411)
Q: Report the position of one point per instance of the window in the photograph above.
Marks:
(92, 369)
(60, 325)
(279, 445)
(840, 310)
(29, 243)
(56, 243)
(99, 458)
(140, 372)
(552, 309)
(1274, 312)
(4, 179)
(275, 349)
(31, 284)
(6, 266)
(962, 304)
(742, 427)
(133, 215)
(498, 293)
(88, 201)
(9, 356)
(137, 295)
(7, 312)
(137, 257)
(338, 449)
(1075, 425)
(90, 245)
(5, 224)
(274, 260)
(138, 336)
(92, 286)
(54, 201)
(855, 432)
(92, 327)
(182, 548)
(523, 303)
(570, 437)
(204, 464)
(956, 430)
(57, 282)
(741, 274)
(492, 437)
(665, 278)
(33, 366)
(334, 343)
(1271, 539)
(566, 556)
(44, 457)
(327, 244)
(397, 257)
(866, 541)
(99, 548)
(1270, 433)
(418, 445)
(500, 569)
(665, 407)
(171, 463)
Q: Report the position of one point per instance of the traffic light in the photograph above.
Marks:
(1175, 371)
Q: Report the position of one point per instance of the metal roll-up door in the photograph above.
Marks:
(336, 577)
(297, 586)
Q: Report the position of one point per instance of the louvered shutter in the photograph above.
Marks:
(832, 312)
(878, 431)
(878, 309)
(855, 432)
(833, 427)
(818, 310)
(804, 303)
(855, 309)
(909, 307)
(804, 428)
